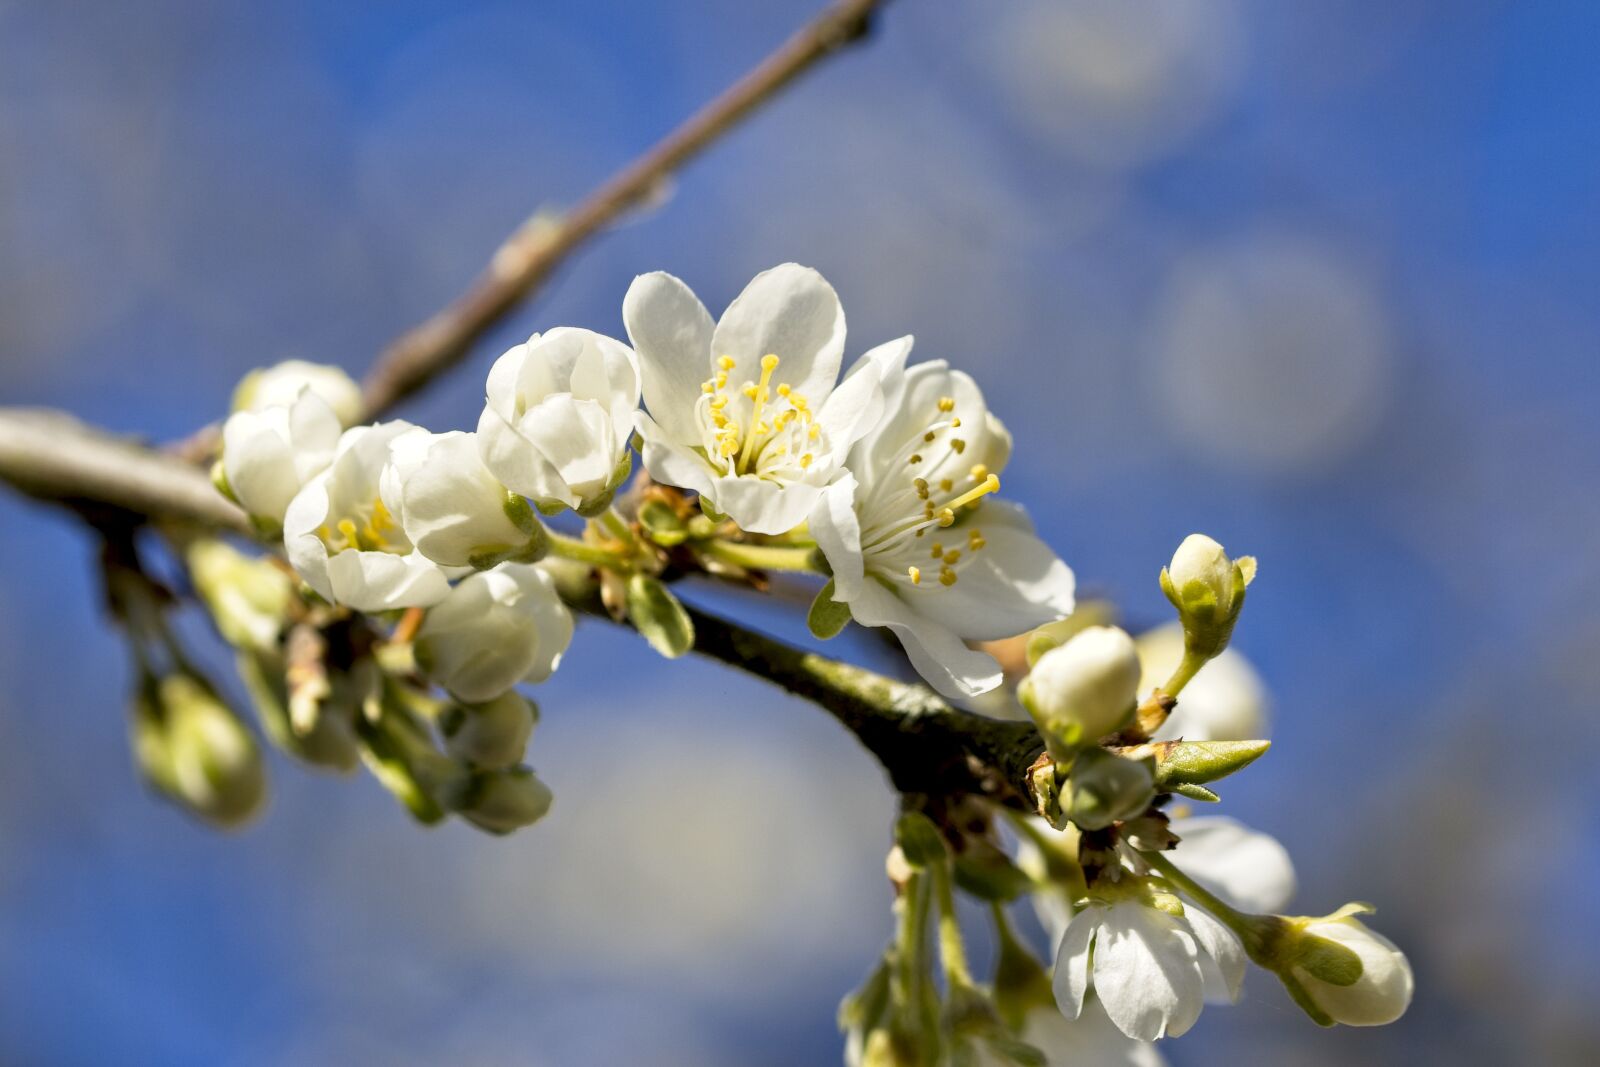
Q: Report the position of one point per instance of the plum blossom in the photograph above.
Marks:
(558, 418)
(746, 411)
(280, 385)
(495, 629)
(451, 508)
(343, 540)
(269, 453)
(917, 543)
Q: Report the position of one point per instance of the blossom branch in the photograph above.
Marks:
(531, 254)
(925, 744)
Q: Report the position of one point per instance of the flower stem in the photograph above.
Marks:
(618, 527)
(760, 557)
(586, 552)
(952, 950)
(1247, 927)
(1187, 669)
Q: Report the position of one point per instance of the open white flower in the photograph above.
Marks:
(343, 540)
(451, 508)
(559, 417)
(1145, 958)
(269, 453)
(745, 412)
(280, 385)
(917, 544)
(1226, 701)
(495, 629)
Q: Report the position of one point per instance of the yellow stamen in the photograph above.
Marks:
(947, 576)
(959, 445)
(916, 575)
(975, 540)
(991, 484)
(979, 472)
(947, 403)
(725, 362)
(953, 556)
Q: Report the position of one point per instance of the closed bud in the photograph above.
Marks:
(451, 508)
(1341, 971)
(248, 598)
(495, 628)
(502, 801)
(269, 454)
(194, 749)
(1103, 788)
(1208, 590)
(282, 384)
(490, 735)
(1083, 689)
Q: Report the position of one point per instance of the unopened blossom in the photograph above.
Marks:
(495, 629)
(918, 543)
(1086, 688)
(746, 412)
(1225, 701)
(559, 416)
(1383, 991)
(451, 508)
(343, 540)
(282, 384)
(192, 747)
(1142, 956)
(270, 453)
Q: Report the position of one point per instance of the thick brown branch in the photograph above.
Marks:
(542, 244)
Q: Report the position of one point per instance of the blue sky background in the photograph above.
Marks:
(1316, 278)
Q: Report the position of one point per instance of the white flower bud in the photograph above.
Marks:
(491, 735)
(281, 385)
(1207, 588)
(495, 629)
(248, 598)
(1084, 689)
(559, 417)
(452, 509)
(192, 747)
(503, 801)
(1200, 559)
(1382, 993)
(269, 454)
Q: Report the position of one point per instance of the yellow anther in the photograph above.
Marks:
(979, 472)
(718, 402)
(707, 386)
(945, 484)
(916, 575)
(725, 362)
(975, 540)
(955, 420)
(769, 363)
(938, 550)
(796, 399)
(947, 403)
(928, 436)
(953, 556)
(813, 432)
(750, 390)
(722, 379)
(947, 576)
(959, 445)
(805, 459)
(347, 529)
(783, 389)
(947, 517)
(762, 427)
(916, 457)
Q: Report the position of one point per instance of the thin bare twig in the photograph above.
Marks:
(531, 254)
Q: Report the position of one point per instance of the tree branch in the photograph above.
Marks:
(924, 744)
(540, 245)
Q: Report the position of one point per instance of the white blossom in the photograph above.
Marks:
(915, 541)
(1382, 993)
(279, 386)
(1201, 559)
(1143, 958)
(342, 539)
(746, 412)
(451, 508)
(1085, 688)
(495, 629)
(559, 417)
(269, 453)
(1226, 701)
(1092, 1039)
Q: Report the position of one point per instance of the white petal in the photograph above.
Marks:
(1222, 960)
(671, 332)
(1092, 1040)
(1147, 971)
(516, 461)
(1246, 868)
(791, 312)
(1071, 978)
(837, 532)
(671, 463)
(761, 506)
(574, 437)
(940, 657)
(451, 508)
(307, 554)
(1226, 701)
(382, 581)
(857, 405)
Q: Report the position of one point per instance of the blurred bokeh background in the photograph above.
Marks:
(1316, 278)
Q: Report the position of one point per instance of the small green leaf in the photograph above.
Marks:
(657, 615)
(662, 524)
(1198, 762)
(827, 616)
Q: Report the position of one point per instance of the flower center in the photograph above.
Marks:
(921, 492)
(367, 532)
(746, 429)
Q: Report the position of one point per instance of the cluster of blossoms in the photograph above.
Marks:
(428, 575)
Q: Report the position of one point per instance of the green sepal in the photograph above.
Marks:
(1195, 792)
(1298, 994)
(709, 510)
(658, 615)
(662, 524)
(219, 479)
(827, 616)
(1327, 960)
(595, 505)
